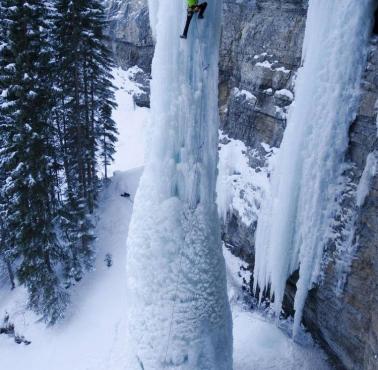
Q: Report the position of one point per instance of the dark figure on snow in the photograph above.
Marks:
(125, 195)
(193, 7)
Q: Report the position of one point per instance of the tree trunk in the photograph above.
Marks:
(10, 273)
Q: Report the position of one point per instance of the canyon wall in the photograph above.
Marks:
(261, 50)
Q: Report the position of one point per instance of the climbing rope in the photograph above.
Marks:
(204, 66)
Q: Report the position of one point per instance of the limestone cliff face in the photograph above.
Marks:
(348, 322)
(130, 34)
(260, 54)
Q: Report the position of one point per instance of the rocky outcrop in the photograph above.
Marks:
(142, 80)
(129, 33)
(348, 322)
(261, 51)
(130, 39)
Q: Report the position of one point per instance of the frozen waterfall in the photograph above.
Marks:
(178, 312)
(295, 217)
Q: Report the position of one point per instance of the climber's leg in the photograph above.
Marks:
(202, 7)
(188, 20)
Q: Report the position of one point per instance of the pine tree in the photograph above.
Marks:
(56, 128)
(86, 98)
(72, 124)
(28, 156)
(4, 248)
(99, 65)
(108, 133)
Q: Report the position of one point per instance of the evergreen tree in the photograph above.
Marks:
(56, 128)
(7, 250)
(108, 135)
(28, 156)
(4, 253)
(99, 65)
(86, 98)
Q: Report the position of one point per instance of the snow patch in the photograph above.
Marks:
(244, 93)
(284, 93)
(240, 187)
(131, 122)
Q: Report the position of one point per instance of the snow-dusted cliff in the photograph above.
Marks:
(294, 226)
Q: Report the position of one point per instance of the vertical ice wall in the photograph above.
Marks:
(178, 312)
(294, 223)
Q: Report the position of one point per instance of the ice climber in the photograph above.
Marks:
(193, 7)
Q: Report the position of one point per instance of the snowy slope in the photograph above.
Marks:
(86, 338)
(131, 122)
(258, 343)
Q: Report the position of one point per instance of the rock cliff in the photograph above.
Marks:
(129, 33)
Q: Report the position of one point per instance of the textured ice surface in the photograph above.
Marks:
(370, 171)
(178, 312)
(240, 187)
(292, 230)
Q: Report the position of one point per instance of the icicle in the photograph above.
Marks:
(292, 229)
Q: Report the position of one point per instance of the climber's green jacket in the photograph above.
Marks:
(192, 2)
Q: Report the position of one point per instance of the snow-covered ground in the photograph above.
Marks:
(85, 340)
(258, 343)
(92, 336)
(131, 121)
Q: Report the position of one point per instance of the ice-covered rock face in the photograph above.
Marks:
(178, 312)
(282, 4)
(260, 52)
(280, 32)
(295, 223)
